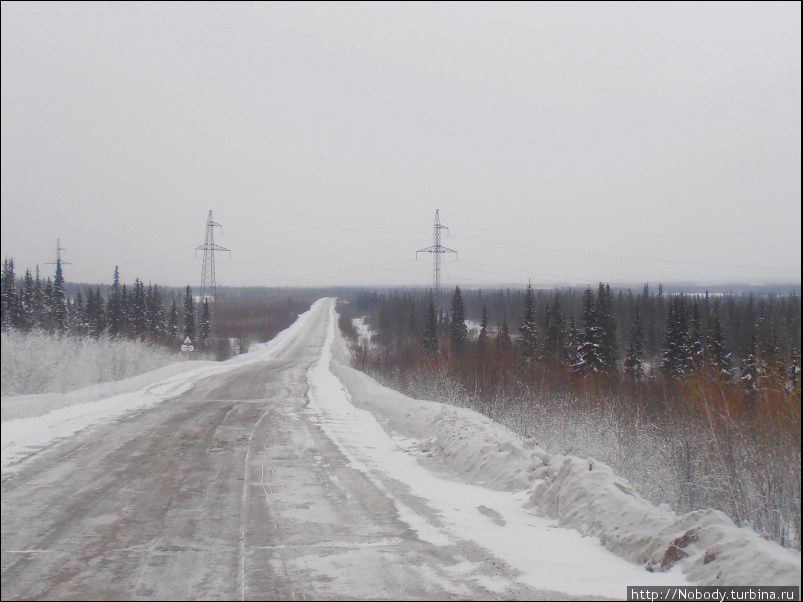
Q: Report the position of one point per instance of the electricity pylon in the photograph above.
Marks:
(208, 284)
(58, 261)
(437, 250)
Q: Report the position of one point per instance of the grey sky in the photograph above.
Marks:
(324, 136)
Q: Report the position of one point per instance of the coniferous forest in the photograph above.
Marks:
(694, 397)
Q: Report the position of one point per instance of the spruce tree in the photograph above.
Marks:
(189, 314)
(554, 349)
(588, 351)
(13, 314)
(694, 344)
(172, 321)
(717, 357)
(59, 300)
(570, 356)
(205, 327)
(38, 301)
(634, 358)
(429, 338)
(608, 348)
(750, 370)
(483, 336)
(28, 299)
(458, 332)
(503, 336)
(528, 342)
(676, 353)
(116, 318)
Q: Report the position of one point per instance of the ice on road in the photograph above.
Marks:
(259, 479)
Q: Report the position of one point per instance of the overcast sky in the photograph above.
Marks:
(563, 142)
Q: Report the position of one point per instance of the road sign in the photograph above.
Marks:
(190, 348)
(184, 348)
(188, 341)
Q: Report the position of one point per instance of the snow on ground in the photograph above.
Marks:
(364, 331)
(39, 362)
(546, 555)
(26, 406)
(506, 473)
(49, 418)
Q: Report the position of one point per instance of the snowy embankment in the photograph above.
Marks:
(39, 362)
(33, 422)
(580, 494)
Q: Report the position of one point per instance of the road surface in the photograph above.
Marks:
(230, 491)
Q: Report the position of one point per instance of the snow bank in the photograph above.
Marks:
(26, 406)
(38, 362)
(447, 512)
(582, 494)
(30, 428)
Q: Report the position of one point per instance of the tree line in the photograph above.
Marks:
(599, 332)
(138, 311)
(693, 397)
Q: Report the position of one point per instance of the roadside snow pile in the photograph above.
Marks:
(26, 406)
(582, 494)
(38, 362)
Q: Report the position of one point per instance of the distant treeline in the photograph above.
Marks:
(162, 315)
(603, 331)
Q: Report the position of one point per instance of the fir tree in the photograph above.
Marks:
(116, 317)
(28, 299)
(76, 315)
(172, 321)
(608, 348)
(750, 370)
(38, 301)
(634, 358)
(717, 356)
(503, 336)
(589, 359)
(139, 311)
(676, 353)
(429, 338)
(528, 342)
(554, 349)
(189, 314)
(13, 314)
(570, 356)
(483, 336)
(694, 343)
(205, 327)
(458, 332)
(59, 300)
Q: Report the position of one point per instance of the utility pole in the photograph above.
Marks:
(208, 284)
(437, 250)
(58, 260)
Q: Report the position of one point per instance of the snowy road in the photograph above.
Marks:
(258, 482)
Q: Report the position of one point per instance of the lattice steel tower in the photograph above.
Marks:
(208, 284)
(58, 260)
(437, 250)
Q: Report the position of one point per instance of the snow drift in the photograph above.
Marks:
(578, 493)
(39, 362)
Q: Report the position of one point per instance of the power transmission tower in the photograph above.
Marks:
(437, 250)
(208, 284)
(59, 260)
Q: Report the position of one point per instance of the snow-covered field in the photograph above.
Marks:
(576, 493)
(38, 362)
